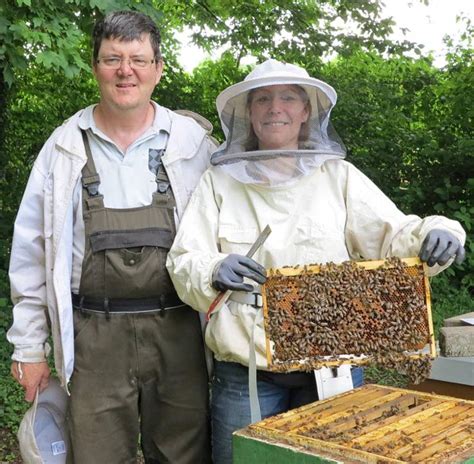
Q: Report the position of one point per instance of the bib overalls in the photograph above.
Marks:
(139, 355)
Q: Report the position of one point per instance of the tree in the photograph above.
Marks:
(291, 30)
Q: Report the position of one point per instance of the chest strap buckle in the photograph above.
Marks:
(163, 186)
(91, 184)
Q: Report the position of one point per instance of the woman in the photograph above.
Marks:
(281, 165)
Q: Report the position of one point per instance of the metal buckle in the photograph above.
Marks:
(163, 186)
(91, 184)
(93, 189)
(258, 303)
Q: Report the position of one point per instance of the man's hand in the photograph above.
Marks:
(230, 272)
(31, 376)
(439, 246)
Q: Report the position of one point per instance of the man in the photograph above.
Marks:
(88, 262)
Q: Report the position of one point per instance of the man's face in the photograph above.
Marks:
(277, 113)
(126, 88)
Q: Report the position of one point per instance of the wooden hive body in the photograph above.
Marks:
(372, 424)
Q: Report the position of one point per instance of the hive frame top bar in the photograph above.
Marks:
(315, 268)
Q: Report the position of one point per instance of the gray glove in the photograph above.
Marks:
(439, 246)
(230, 272)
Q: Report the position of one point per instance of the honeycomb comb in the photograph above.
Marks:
(324, 315)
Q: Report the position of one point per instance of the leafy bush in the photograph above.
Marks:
(12, 404)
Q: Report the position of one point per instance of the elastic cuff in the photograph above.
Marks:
(29, 355)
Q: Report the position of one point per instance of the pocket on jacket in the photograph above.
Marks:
(320, 243)
(235, 239)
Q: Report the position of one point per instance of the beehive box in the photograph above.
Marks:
(371, 424)
(317, 316)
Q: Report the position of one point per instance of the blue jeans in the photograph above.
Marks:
(230, 405)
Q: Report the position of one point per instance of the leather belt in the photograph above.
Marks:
(126, 305)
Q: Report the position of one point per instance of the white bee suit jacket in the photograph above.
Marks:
(41, 257)
(333, 214)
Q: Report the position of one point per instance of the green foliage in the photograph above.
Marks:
(53, 33)
(12, 405)
(206, 82)
(447, 300)
(291, 30)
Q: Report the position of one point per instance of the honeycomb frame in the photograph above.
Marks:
(290, 298)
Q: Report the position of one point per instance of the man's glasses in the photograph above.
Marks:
(115, 63)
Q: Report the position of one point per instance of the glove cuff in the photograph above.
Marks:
(214, 284)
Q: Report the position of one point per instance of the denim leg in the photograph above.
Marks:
(230, 406)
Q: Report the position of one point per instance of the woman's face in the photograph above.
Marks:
(277, 113)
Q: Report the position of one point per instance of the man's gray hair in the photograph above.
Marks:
(126, 26)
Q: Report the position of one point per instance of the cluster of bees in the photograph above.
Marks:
(345, 436)
(415, 368)
(314, 318)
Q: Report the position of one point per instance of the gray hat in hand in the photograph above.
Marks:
(42, 434)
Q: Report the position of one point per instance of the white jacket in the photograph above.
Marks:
(334, 214)
(41, 255)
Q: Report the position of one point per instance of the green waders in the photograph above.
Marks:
(139, 356)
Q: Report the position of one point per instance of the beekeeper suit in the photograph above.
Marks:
(319, 206)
